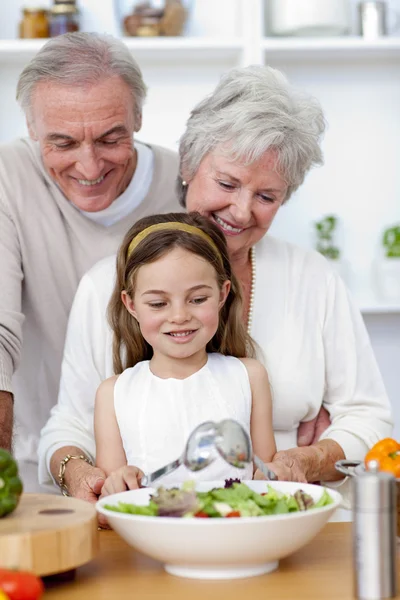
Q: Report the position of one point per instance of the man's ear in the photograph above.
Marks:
(31, 130)
(223, 294)
(138, 120)
(128, 303)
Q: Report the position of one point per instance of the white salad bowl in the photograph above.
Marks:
(220, 548)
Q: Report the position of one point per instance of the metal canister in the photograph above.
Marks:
(372, 19)
(374, 534)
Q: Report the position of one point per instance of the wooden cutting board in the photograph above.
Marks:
(48, 534)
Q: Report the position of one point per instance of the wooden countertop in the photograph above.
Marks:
(322, 570)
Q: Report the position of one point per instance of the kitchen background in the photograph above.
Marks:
(327, 48)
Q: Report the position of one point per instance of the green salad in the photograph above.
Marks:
(236, 499)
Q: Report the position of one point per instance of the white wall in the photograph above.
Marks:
(384, 331)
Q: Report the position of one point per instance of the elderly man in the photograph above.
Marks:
(67, 196)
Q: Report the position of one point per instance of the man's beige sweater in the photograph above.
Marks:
(46, 245)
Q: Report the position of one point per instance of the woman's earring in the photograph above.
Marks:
(184, 183)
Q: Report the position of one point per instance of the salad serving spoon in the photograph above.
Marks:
(199, 452)
(234, 445)
(227, 437)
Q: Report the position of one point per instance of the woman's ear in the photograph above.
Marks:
(184, 174)
(223, 294)
(128, 303)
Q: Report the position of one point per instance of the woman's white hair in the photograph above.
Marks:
(252, 110)
(81, 59)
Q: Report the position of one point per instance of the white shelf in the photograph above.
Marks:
(184, 49)
(378, 308)
(206, 49)
(296, 48)
(155, 49)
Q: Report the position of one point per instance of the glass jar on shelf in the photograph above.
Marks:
(34, 23)
(63, 18)
(152, 18)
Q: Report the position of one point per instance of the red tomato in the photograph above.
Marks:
(201, 515)
(20, 585)
(233, 513)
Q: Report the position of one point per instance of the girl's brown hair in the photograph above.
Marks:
(129, 346)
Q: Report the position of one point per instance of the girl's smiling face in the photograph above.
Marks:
(176, 302)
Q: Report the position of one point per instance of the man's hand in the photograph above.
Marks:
(309, 432)
(6, 420)
(127, 477)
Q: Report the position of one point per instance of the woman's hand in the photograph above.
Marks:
(127, 477)
(84, 481)
(309, 464)
(286, 466)
(309, 432)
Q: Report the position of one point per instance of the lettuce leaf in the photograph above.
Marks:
(150, 510)
(186, 502)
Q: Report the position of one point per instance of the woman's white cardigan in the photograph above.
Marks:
(314, 344)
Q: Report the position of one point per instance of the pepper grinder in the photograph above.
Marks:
(374, 534)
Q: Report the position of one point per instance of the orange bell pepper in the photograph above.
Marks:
(387, 453)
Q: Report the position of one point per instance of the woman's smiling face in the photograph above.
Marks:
(241, 199)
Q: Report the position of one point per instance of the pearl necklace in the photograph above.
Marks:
(252, 289)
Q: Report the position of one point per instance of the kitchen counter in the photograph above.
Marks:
(322, 570)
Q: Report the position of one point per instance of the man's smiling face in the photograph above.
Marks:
(86, 139)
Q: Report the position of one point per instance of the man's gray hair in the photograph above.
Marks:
(252, 110)
(81, 59)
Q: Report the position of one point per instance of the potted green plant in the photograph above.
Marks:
(391, 241)
(389, 264)
(325, 233)
(325, 230)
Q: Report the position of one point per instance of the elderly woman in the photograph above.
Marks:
(246, 149)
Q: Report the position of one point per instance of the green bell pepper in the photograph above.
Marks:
(10, 483)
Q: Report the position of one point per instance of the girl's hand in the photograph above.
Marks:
(259, 475)
(124, 478)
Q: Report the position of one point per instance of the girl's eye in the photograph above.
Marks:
(157, 304)
(199, 300)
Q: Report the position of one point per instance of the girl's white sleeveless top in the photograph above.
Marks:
(156, 416)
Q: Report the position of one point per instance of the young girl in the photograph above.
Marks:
(179, 348)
